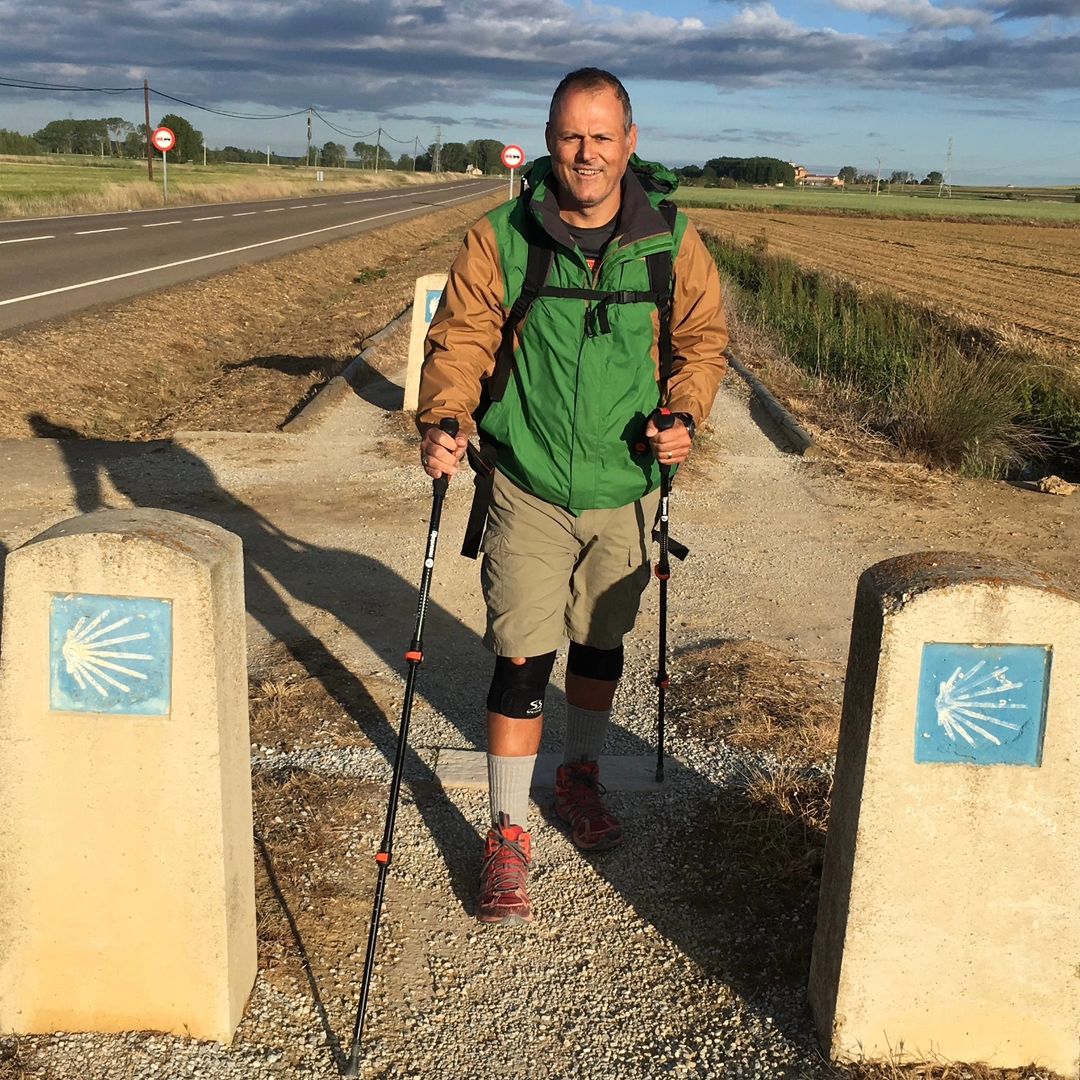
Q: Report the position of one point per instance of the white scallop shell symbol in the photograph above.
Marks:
(90, 656)
(964, 704)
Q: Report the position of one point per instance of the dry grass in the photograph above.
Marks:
(757, 697)
(241, 350)
(902, 1067)
(186, 188)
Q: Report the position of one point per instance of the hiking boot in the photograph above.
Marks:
(503, 877)
(577, 802)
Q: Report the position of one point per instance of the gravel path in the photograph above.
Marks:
(628, 971)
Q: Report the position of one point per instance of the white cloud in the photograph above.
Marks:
(919, 13)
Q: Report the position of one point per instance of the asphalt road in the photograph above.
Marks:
(52, 267)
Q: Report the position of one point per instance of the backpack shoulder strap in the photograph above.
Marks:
(538, 266)
(660, 275)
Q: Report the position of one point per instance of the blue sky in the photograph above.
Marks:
(824, 83)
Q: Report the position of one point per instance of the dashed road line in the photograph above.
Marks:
(275, 210)
(27, 239)
(244, 213)
(156, 224)
(93, 232)
(302, 206)
(318, 204)
(214, 217)
(200, 258)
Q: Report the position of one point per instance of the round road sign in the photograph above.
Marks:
(163, 138)
(512, 156)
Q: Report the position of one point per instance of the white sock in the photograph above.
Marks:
(509, 779)
(585, 732)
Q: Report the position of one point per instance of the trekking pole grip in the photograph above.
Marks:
(450, 426)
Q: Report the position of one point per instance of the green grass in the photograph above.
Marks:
(940, 389)
(1050, 206)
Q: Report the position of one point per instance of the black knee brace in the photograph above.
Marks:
(517, 690)
(590, 663)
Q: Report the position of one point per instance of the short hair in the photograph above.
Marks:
(590, 78)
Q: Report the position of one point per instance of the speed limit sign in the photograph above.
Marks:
(512, 156)
(163, 138)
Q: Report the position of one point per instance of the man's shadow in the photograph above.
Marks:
(379, 606)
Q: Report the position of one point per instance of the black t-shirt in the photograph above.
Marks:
(593, 241)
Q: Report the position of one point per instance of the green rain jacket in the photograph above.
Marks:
(569, 423)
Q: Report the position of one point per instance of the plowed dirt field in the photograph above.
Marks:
(1021, 274)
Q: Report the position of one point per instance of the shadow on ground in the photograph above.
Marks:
(717, 928)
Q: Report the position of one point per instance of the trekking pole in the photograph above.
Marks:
(414, 657)
(663, 419)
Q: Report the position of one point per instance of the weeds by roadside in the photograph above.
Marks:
(944, 391)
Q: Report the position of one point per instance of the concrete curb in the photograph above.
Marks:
(800, 438)
(341, 386)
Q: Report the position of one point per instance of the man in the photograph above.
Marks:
(575, 492)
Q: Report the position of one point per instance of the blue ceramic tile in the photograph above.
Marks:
(432, 302)
(982, 704)
(110, 654)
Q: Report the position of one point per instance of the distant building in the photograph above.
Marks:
(803, 178)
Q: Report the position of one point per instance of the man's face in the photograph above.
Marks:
(590, 147)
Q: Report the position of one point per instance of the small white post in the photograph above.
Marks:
(511, 195)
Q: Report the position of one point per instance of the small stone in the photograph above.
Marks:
(1054, 485)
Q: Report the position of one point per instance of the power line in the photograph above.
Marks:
(342, 131)
(226, 112)
(28, 84)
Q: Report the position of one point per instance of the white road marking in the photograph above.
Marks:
(274, 210)
(302, 206)
(318, 204)
(27, 239)
(215, 217)
(244, 213)
(155, 224)
(203, 258)
(92, 232)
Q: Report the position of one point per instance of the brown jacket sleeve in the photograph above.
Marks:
(699, 333)
(465, 333)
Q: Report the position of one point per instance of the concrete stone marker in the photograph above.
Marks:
(429, 290)
(949, 922)
(127, 896)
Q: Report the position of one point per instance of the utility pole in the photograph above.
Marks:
(378, 147)
(436, 165)
(415, 151)
(267, 153)
(149, 147)
(877, 189)
(946, 180)
(307, 160)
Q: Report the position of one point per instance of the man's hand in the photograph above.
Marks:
(671, 446)
(440, 454)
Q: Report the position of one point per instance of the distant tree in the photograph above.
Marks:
(189, 141)
(454, 157)
(11, 142)
(848, 174)
(135, 142)
(690, 172)
(933, 178)
(900, 176)
(755, 170)
(865, 178)
(72, 136)
(709, 172)
(425, 161)
(118, 129)
(404, 163)
(332, 155)
(364, 152)
(485, 154)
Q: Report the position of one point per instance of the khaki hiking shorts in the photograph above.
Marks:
(549, 575)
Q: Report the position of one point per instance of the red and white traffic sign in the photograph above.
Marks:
(163, 138)
(513, 156)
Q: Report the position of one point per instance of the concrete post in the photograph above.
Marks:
(126, 854)
(429, 290)
(949, 921)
